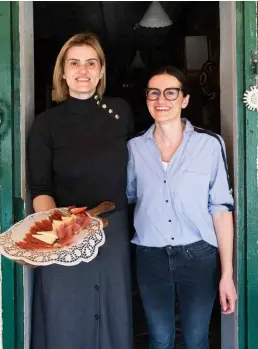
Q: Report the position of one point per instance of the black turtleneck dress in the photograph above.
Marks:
(77, 154)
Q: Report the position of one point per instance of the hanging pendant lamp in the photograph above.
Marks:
(137, 62)
(155, 17)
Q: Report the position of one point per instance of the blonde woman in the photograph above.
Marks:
(77, 155)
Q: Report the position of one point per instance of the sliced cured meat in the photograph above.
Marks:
(59, 215)
(83, 221)
(47, 224)
(79, 220)
(76, 227)
(39, 226)
(65, 229)
(60, 231)
(28, 244)
(86, 221)
(33, 230)
(68, 231)
(77, 210)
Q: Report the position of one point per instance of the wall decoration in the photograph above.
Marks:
(207, 80)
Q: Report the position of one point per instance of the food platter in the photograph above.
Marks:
(63, 236)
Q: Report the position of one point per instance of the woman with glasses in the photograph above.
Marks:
(178, 179)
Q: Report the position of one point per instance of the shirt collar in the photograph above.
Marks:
(188, 129)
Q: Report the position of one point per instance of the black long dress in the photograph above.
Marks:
(77, 153)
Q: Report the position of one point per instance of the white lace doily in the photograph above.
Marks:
(92, 238)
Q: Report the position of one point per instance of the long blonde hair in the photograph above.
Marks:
(61, 90)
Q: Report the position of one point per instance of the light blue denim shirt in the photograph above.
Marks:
(175, 206)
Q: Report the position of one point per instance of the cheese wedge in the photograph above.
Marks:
(56, 224)
(52, 233)
(68, 219)
(48, 239)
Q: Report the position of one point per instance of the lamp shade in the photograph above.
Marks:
(155, 17)
(137, 62)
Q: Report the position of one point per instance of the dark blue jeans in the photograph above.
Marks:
(191, 272)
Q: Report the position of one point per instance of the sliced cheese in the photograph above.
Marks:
(67, 219)
(56, 224)
(48, 239)
(52, 233)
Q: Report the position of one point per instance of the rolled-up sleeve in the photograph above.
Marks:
(39, 158)
(220, 192)
(131, 177)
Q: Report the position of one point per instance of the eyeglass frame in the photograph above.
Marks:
(168, 88)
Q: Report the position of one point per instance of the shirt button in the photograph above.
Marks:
(96, 317)
(166, 200)
(172, 238)
(96, 287)
(169, 220)
(165, 181)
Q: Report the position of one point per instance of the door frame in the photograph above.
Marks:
(229, 127)
(242, 21)
(27, 115)
(14, 87)
(247, 180)
(11, 204)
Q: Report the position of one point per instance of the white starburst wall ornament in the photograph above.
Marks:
(251, 98)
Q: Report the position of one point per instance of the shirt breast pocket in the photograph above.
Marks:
(192, 189)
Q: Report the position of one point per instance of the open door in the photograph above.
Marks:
(240, 132)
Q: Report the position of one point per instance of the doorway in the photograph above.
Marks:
(129, 56)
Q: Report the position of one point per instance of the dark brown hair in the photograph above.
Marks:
(173, 71)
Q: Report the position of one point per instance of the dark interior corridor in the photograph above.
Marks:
(192, 43)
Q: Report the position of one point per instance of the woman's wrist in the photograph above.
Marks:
(227, 272)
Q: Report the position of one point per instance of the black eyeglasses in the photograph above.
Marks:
(171, 93)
